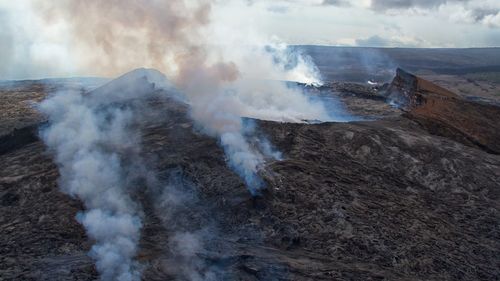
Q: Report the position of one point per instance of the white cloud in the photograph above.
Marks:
(492, 20)
(392, 41)
(33, 48)
(486, 12)
(30, 48)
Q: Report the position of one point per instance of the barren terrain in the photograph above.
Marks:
(387, 197)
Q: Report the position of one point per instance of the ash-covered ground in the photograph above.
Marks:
(406, 192)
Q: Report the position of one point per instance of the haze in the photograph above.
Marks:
(33, 45)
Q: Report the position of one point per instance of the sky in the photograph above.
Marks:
(376, 23)
(34, 45)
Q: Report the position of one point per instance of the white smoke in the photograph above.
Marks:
(244, 160)
(225, 74)
(260, 89)
(220, 111)
(89, 134)
(183, 215)
(244, 77)
(116, 235)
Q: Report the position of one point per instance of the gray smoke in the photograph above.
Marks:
(89, 134)
(222, 83)
(190, 230)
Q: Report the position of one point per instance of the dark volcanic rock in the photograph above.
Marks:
(365, 200)
(18, 138)
(39, 236)
(357, 101)
(388, 195)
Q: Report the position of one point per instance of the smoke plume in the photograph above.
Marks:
(222, 81)
(224, 75)
(89, 133)
(183, 214)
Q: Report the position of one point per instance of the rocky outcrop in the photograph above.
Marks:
(444, 113)
(409, 91)
(18, 138)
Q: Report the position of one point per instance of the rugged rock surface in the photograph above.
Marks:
(354, 101)
(365, 200)
(40, 237)
(444, 113)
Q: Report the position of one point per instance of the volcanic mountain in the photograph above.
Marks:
(410, 195)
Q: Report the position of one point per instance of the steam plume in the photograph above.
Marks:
(183, 214)
(220, 72)
(218, 69)
(88, 133)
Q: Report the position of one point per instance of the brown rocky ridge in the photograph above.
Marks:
(444, 113)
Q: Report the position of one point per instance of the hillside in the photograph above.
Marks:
(389, 198)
